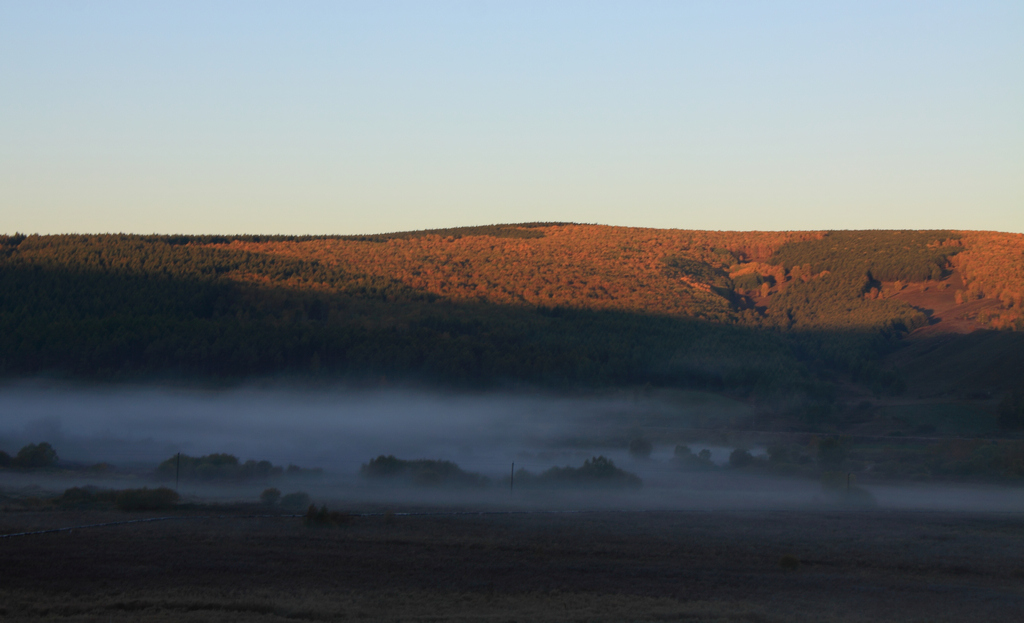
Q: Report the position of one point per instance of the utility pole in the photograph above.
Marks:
(177, 470)
(512, 480)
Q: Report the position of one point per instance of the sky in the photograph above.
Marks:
(308, 117)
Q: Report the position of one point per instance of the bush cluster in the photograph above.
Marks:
(321, 517)
(270, 496)
(741, 457)
(421, 472)
(685, 458)
(33, 456)
(972, 459)
(295, 501)
(86, 497)
(596, 472)
(214, 467)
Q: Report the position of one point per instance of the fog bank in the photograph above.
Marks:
(340, 429)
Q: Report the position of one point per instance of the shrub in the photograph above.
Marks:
(295, 501)
(75, 497)
(146, 499)
(86, 497)
(324, 518)
(685, 457)
(34, 456)
(270, 496)
(5, 459)
(741, 458)
(640, 448)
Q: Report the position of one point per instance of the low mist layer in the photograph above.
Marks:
(136, 429)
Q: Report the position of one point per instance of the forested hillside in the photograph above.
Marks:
(557, 305)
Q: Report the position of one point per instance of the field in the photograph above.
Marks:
(594, 566)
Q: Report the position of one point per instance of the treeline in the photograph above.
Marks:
(834, 457)
(949, 459)
(221, 467)
(518, 230)
(421, 472)
(598, 472)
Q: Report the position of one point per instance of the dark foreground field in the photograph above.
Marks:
(601, 566)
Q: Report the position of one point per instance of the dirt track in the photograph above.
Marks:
(590, 566)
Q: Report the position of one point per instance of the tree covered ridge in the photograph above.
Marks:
(812, 280)
(127, 305)
(576, 304)
(577, 266)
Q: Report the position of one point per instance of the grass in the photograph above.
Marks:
(693, 566)
(948, 418)
(201, 605)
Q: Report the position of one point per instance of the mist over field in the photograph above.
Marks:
(334, 429)
(340, 429)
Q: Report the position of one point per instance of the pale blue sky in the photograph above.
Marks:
(355, 117)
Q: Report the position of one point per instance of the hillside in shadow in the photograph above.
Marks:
(100, 325)
(539, 305)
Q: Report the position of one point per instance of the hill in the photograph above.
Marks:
(556, 305)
